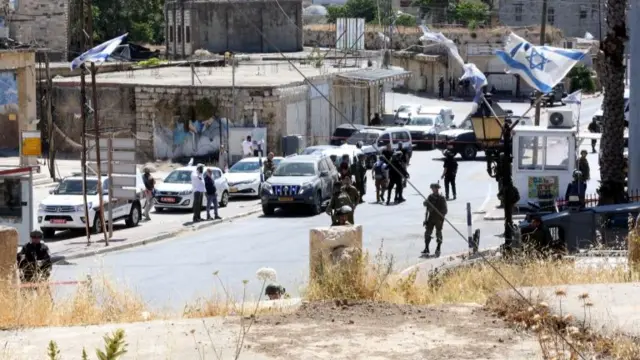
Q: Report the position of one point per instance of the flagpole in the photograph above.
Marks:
(83, 118)
(96, 129)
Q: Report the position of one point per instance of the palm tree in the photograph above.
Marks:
(612, 72)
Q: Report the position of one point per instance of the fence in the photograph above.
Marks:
(591, 200)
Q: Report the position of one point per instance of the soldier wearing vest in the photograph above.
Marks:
(343, 216)
(436, 206)
(354, 195)
(339, 199)
(360, 173)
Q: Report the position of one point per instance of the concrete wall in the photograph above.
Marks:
(350, 99)
(574, 18)
(42, 22)
(17, 96)
(221, 26)
(116, 110)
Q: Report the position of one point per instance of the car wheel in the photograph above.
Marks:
(469, 152)
(224, 200)
(267, 210)
(134, 216)
(48, 233)
(97, 224)
(159, 209)
(316, 208)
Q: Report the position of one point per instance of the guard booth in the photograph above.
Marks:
(16, 199)
(544, 161)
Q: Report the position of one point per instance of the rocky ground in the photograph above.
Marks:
(341, 330)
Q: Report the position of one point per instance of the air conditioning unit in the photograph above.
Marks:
(560, 119)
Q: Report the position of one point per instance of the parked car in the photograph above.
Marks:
(424, 129)
(343, 132)
(554, 96)
(303, 180)
(347, 149)
(317, 149)
(64, 208)
(175, 192)
(245, 177)
(404, 112)
(376, 139)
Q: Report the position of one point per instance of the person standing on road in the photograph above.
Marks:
(149, 190)
(441, 88)
(269, 166)
(212, 195)
(397, 173)
(197, 185)
(380, 174)
(452, 85)
(387, 153)
(354, 195)
(594, 129)
(339, 199)
(434, 218)
(345, 169)
(247, 147)
(449, 173)
(583, 166)
(360, 172)
(222, 159)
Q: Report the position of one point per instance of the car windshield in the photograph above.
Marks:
(367, 138)
(404, 108)
(178, 177)
(295, 169)
(74, 187)
(312, 150)
(245, 167)
(421, 120)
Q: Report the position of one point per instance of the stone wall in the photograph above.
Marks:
(116, 111)
(43, 22)
(324, 35)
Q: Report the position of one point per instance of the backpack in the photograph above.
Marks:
(378, 170)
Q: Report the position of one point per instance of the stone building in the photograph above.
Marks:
(43, 23)
(219, 26)
(574, 18)
(176, 114)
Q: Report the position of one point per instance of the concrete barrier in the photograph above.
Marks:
(334, 244)
(8, 247)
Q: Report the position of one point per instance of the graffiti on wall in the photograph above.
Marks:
(8, 110)
(189, 138)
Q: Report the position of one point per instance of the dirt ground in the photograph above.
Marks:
(331, 331)
(364, 330)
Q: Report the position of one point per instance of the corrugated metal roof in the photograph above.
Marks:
(374, 74)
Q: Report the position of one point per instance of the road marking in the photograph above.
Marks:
(479, 213)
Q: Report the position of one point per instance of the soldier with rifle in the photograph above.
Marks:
(339, 199)
(436, 206)
(360, 172)
(269, 166)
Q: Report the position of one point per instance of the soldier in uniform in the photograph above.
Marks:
(344, 169)
(269, 166)
(436, 206)
(360, 173)
(353, 193)
(449, 173)
(583, 166)
(343, 216)
(339, 199)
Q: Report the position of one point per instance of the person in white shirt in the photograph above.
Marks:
(247, 147)
(197, 185)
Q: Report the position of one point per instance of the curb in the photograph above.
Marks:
(150, 240)
(501, 217)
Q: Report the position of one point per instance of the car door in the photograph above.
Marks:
(220, 183)
(117, 204)
(327, 181)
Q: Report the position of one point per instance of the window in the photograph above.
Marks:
(518, 12)
(322, 166)
(583, 11)
(557, 154)
(217, 174)
(187, 35)
(179, 28)
(170, 33)
(530, 156)
(330, 165)
(384, 139)
(11, 198)
(551, 16)
(594, 10)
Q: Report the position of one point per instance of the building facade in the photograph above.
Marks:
(574, 18)
(219, 26)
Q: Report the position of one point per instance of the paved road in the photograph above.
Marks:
(175, 271)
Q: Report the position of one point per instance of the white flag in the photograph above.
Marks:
(471, 71)
(99, 53)
(542, 67)
(574, 98)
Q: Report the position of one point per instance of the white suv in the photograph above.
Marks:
(64, 208)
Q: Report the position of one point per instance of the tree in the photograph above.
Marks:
(335, 12)
(471, 11)
(612, 72)
(366, 9)
(581, 79)
(424, 6)
(142, 19)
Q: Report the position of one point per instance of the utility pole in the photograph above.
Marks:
(83, 41)
(634, 104)
(543, 30)
(49, 110)
(83, 119)
(89, 29)
(96, 128)
(233, 109)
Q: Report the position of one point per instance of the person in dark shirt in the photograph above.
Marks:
(376, 120)
(34, 260)
(345, 167)
(539, 242)
(212, 195)
(449, 174)
(593, 128)
(387, 154)
(576, 188)
(397, 173)
(149, 190)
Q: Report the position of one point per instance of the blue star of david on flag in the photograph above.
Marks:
(542, 67)
(537, 60)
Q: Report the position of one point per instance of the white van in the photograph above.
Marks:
(598, 115)
(375, 139)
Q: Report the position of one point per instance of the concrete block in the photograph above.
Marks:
(8, 250)
(332, 243)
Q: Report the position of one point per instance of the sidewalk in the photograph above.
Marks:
(162, 226)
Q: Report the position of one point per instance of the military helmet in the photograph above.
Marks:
(337, 186)
(360, 155)
(359, 144)
(274, 289)
(346, 209)
(435, 185)
(36, 234)
(577, 173)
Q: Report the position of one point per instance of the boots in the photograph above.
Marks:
(438, 249)
(426, 247)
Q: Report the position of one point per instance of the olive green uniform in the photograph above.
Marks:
(354, 195)
(269, 168)
(434, 219)
(336, 203)
(360, 172)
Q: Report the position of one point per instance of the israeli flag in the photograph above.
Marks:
(471, 71)
(98, 54)
(542, 67)
(574, 98)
